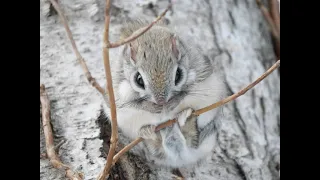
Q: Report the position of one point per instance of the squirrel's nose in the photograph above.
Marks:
(161, 100)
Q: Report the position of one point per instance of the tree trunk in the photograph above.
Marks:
(233, 34)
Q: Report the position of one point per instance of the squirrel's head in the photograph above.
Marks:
(160, 67)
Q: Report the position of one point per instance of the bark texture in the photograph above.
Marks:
(232, 33)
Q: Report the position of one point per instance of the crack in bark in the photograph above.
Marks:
(116, 173)
(241, 172)
(229, 56)
(236, 2)
(241, 124)
(247, 3)
(233, 22)
(212, 29)
(264, 125)
(261, 100)
(257, 120)
(278, 122)
(253, 93)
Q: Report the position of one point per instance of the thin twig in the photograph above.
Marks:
(275, 14)
(83, 64)
(53, 157)
(59, 145)
(269, 19)
(240, 93)
(165, 124)
(126, 149)
(203, 110)
(137, 33)
(114, 126)
(57, 148)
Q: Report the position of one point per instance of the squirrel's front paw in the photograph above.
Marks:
(189, 127)
(148, 132)
(183, 116)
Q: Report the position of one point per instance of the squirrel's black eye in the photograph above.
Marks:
(139, 80)
(178, 76)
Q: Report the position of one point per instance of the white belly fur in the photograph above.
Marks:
(211, 90)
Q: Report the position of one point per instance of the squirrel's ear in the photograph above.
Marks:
(175, 47)
(133, 53)
(130, 53)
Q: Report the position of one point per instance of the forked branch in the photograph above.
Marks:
(269, 19)
(83, 64)
(138, 32)
(47, 129)
(273, 20)
(275, 13)
(114, 126)
(114, 135)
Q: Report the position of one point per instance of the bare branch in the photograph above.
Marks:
(269, 19)
(203, 110)
(240, 93)
(165, 124)
(51, 154)
(126, 149)
(114, 126)
(275, 14)
(59, 145)
(83, 64)
(137, 33)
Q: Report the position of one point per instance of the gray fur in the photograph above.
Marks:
(211, 127)
(154, 56)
